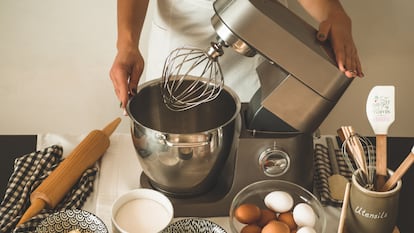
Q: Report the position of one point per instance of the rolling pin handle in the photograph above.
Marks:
(35, 207)
(110, 128)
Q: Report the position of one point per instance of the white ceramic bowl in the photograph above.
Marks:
(141, 210)
(255, 193)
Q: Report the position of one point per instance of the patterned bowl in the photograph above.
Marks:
(193, 225)
(71, 220)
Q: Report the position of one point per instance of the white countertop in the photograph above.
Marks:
(119, 172)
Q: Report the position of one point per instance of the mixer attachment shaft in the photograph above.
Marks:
(192, 76)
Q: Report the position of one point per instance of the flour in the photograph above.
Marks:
(142, 215)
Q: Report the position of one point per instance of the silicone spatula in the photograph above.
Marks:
(380, 113)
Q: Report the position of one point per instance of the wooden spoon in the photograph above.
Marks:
(337, 182)
(401, 170)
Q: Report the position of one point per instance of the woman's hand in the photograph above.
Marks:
(128, 64)
(337, 28)
(125, 73)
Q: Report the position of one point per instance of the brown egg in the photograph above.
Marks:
(247, 213)
(252, 228)
(287, 218)
(275, 226)
(266, 216)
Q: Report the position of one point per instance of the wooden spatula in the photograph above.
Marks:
(51, 191)
(342, 218)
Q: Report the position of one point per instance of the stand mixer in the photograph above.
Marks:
(300, 84)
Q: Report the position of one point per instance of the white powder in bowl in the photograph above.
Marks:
(142, 215)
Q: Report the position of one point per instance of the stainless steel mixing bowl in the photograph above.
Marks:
(182, 153)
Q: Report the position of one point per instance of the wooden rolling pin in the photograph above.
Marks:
(52, 190)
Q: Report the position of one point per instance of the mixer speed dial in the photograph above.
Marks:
(274, 162)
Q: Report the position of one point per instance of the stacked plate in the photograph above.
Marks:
(75, 220)
(194, 225)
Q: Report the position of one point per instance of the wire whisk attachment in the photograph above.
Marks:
(362, 152)
(192, 76)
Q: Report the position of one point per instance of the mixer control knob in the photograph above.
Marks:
(274, 162)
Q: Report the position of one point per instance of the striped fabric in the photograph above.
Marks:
(323, 171)
(29, 171)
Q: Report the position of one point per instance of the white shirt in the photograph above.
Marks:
(187, 23)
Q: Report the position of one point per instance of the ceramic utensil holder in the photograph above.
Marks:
(372, 211)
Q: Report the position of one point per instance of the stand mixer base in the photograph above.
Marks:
(242, 169)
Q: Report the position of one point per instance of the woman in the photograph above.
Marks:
(178, 23)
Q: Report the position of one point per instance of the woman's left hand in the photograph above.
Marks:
(338, 29)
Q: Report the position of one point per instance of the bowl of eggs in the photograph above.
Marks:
(276, 206)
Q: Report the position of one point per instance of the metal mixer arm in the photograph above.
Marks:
(270, 29)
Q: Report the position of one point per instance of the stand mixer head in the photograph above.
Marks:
(300, 81)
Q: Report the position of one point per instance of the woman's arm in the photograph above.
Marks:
(128, 65)
(131, 16)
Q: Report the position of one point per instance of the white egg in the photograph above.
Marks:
(279, 201)
(306, 230)
(304, 215)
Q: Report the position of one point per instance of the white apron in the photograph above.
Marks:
(186, 23)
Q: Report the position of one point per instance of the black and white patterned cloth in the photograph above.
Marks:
(323, 171)
(29, 171)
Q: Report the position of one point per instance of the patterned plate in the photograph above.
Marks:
(193, 225)
(68, 220)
